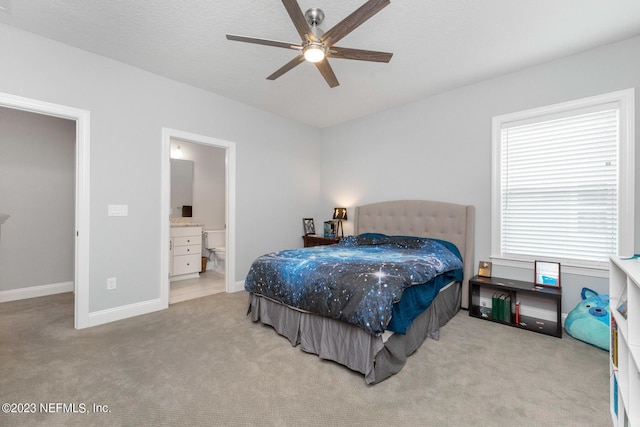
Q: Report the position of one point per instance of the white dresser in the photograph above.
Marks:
(186, 252)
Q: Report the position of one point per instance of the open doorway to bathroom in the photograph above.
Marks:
(199, 198)
(198, 188)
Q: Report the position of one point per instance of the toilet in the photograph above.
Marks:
(214, 242)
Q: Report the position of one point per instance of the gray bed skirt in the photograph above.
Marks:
(351, 346)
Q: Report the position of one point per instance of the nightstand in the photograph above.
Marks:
(497, 299)
(317, 240)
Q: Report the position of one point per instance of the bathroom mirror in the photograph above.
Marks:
(181, 186)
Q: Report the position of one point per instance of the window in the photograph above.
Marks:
(563, 180)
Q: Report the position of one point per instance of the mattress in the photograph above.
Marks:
(364, 280)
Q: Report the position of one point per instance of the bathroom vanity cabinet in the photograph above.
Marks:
(186, 252)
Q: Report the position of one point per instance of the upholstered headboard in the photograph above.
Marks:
(423, 218)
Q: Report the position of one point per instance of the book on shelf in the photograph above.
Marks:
(614, 341)
(494, 306)
(517, 312)
(501, 307)
(615, 395)
(506, 307)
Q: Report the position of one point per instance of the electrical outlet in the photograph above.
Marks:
(111, 283)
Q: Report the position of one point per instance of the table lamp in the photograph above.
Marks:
(339, 215)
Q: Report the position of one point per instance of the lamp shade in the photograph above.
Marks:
(340, 213)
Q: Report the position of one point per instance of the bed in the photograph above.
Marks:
(374, 351)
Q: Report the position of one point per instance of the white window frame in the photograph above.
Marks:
(626, 179)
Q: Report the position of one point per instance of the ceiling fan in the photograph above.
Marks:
(316, 45)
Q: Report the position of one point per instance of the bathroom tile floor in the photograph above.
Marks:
(210, 282)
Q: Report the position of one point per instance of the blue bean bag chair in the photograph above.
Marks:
(589, 320)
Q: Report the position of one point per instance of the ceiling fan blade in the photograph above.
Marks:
(327, 72)
(299, 21)
(286, 67)
(359, 54)
(266, 42)
(353, 21)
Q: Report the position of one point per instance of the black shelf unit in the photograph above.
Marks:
(515, 288)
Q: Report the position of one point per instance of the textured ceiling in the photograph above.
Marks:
(437, 44)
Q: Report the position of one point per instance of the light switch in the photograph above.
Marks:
(118, 210)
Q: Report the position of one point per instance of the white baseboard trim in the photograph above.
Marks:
(184, 277)
(238, 286)
(36, 291)
(119, 313)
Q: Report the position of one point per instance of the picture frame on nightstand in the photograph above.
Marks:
(330, 229)
(308, 226)
(484, 269)
(547, 274)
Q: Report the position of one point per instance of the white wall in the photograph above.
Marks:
(440, 148)
(406, 152)
(129, 108)
(37, 172)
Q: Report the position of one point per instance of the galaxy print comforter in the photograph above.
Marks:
(359, 280)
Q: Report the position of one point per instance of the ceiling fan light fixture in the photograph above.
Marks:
(316, 45)
(314, 52)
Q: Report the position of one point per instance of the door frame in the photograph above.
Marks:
(165, 200)
(82, 192)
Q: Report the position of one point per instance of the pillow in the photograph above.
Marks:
(377, 237)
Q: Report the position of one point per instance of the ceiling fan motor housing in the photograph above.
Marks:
(314, 16)
(314, 50)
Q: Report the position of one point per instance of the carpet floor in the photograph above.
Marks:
(204, 363)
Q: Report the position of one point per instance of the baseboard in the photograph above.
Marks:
(36, 291)
(238, 286)
(184, 277)
(119, 313)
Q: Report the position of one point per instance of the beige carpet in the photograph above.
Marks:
(202, 362)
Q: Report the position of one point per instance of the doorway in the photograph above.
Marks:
(172, 138)
(198, 182)
(81, 244)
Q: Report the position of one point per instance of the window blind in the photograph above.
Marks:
(559, 186)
